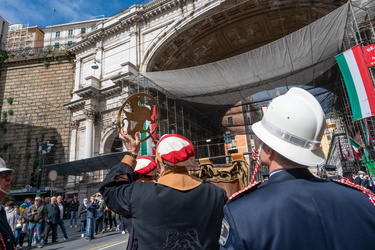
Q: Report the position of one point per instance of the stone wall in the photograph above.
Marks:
(32, 94)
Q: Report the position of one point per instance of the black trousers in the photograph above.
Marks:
(50, 226)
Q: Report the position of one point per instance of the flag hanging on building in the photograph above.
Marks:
(369, 53)
(366, 131)
(355, 147)
(358, 82)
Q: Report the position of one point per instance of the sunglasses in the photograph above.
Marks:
(5, 174)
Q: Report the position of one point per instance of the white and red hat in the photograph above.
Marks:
(175, 150)
(145, 166)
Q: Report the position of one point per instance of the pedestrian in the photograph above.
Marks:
(296, 210)
(82, 212)
(73, 208)
(35, 214)
(177, 210)
(359, 178)
(92, 207)
(27, 203)
(18, 227)
(61, 223)
(52, 220)
(99, 220)
(12, 216)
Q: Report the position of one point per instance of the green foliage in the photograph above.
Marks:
(10, 100)
(28, 155)
(46, 63)
(3, 56)
(5, 114)
(8, 198)
(36, 162)
(6, 146)
(10, 112)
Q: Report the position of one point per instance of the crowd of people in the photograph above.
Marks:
(292, 209)
(38, 220)
(171, 209)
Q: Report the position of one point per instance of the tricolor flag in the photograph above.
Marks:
(358, 82)
(355, 147)
(147, 146)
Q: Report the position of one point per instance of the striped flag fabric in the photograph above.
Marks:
(358, 82)
(355, 147)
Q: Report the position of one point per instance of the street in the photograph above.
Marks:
(113, 240)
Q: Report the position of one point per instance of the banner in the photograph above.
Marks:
(358, 82)
(355, 147)
(369, 53)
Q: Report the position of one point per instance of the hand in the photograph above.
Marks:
(132, 145)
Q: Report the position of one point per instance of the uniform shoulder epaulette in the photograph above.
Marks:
(251, 187)
(364, 190)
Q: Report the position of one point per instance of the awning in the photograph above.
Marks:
(100, 162)
(299, 58)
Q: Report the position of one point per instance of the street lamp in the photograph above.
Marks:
(43, 149)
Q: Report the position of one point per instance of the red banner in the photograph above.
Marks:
(369, 53)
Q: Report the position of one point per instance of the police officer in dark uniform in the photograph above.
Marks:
(296, 210)
(7, 240)
(331, 172)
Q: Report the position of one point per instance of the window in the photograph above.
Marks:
(93, 27)
(230, 121)
(57, 45)
(83, 30)
(70, 32)
(70, 43)
(57, 33)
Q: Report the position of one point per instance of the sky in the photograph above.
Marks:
(40, 12)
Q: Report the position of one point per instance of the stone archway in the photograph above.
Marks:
(109, 140)
(230, 29)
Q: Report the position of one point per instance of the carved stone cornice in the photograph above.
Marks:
(88, 92)
(133, 15)
(113, 90)
(75, 105)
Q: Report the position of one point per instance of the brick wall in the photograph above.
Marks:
(35, 115)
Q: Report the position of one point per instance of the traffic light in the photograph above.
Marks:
(33, 179)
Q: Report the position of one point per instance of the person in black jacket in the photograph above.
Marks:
(7, 240)
(52, 219)
(82, 214)
(73, 208)
(179, 211)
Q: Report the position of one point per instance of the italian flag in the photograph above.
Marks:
(355, 147)
(148, 147)
(358, 82)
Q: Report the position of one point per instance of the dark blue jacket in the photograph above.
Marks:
(6, 232)
(53, 213)
(91, 210)
(296, 210)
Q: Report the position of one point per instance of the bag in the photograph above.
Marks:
(18, 225)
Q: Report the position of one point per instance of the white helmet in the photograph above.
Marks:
(293, 126)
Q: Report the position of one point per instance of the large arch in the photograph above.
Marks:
(231, 29)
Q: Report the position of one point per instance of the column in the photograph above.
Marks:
(89, 135)
(73, 140)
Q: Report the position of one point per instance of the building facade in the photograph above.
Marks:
(22, 37)
(61, 36)
(4, 25)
